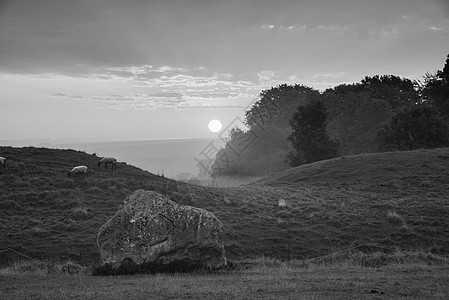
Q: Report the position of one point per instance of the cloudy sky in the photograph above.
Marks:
(152, 69)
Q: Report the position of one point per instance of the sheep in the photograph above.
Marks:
(78, 170)
(3, 161)
(108, 160)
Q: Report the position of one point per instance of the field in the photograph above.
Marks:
(374, 204)
(420, 278)
(393, 200)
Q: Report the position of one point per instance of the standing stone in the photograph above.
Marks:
(150, 228)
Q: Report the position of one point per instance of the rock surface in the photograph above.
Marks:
(150, 228)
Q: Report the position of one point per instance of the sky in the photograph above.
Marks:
(96, 70)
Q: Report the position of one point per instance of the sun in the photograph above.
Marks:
(215, 125)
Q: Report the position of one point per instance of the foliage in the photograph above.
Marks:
(261, 150)
(419, 127)
(399, 92)
(276, 105)
(436, 89)
(357, 122)
(309, 138)
(248, 153)
(358, 111)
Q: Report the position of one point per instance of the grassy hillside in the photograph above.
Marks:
(44, 213)
(388, 200)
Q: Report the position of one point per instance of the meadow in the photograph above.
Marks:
(371, 208)
(405, 276)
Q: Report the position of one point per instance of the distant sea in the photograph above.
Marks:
(171, 157)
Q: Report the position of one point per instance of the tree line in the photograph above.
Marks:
(290, 125)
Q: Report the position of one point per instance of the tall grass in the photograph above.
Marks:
(261, 265)
(262, 278)
(38, 267)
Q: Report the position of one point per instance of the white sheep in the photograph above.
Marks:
(3, 161)
(78, 171)
(108, 160)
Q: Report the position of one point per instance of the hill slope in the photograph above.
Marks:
(44, 213)
(388, 199)
(373, 168)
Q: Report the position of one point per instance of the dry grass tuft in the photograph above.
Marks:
(395, 219)
(79, 213)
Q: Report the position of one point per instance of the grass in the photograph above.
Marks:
(417, 277)
(37, 267)
(49, 215)
(393, 200)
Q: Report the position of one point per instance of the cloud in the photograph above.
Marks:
(267, 26)
(282, 28)
(167, 95)
(334, 75)
(266, 75)
(333, 29)
(215, 95)
(147, 87)
(435, 28)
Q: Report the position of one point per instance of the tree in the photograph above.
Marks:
(261, 150)
(436, 89)
(399, 92)
(247, 153)
(275, 106)
(420, 127)
(358, 111)
(309, 138)
(356, 121)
